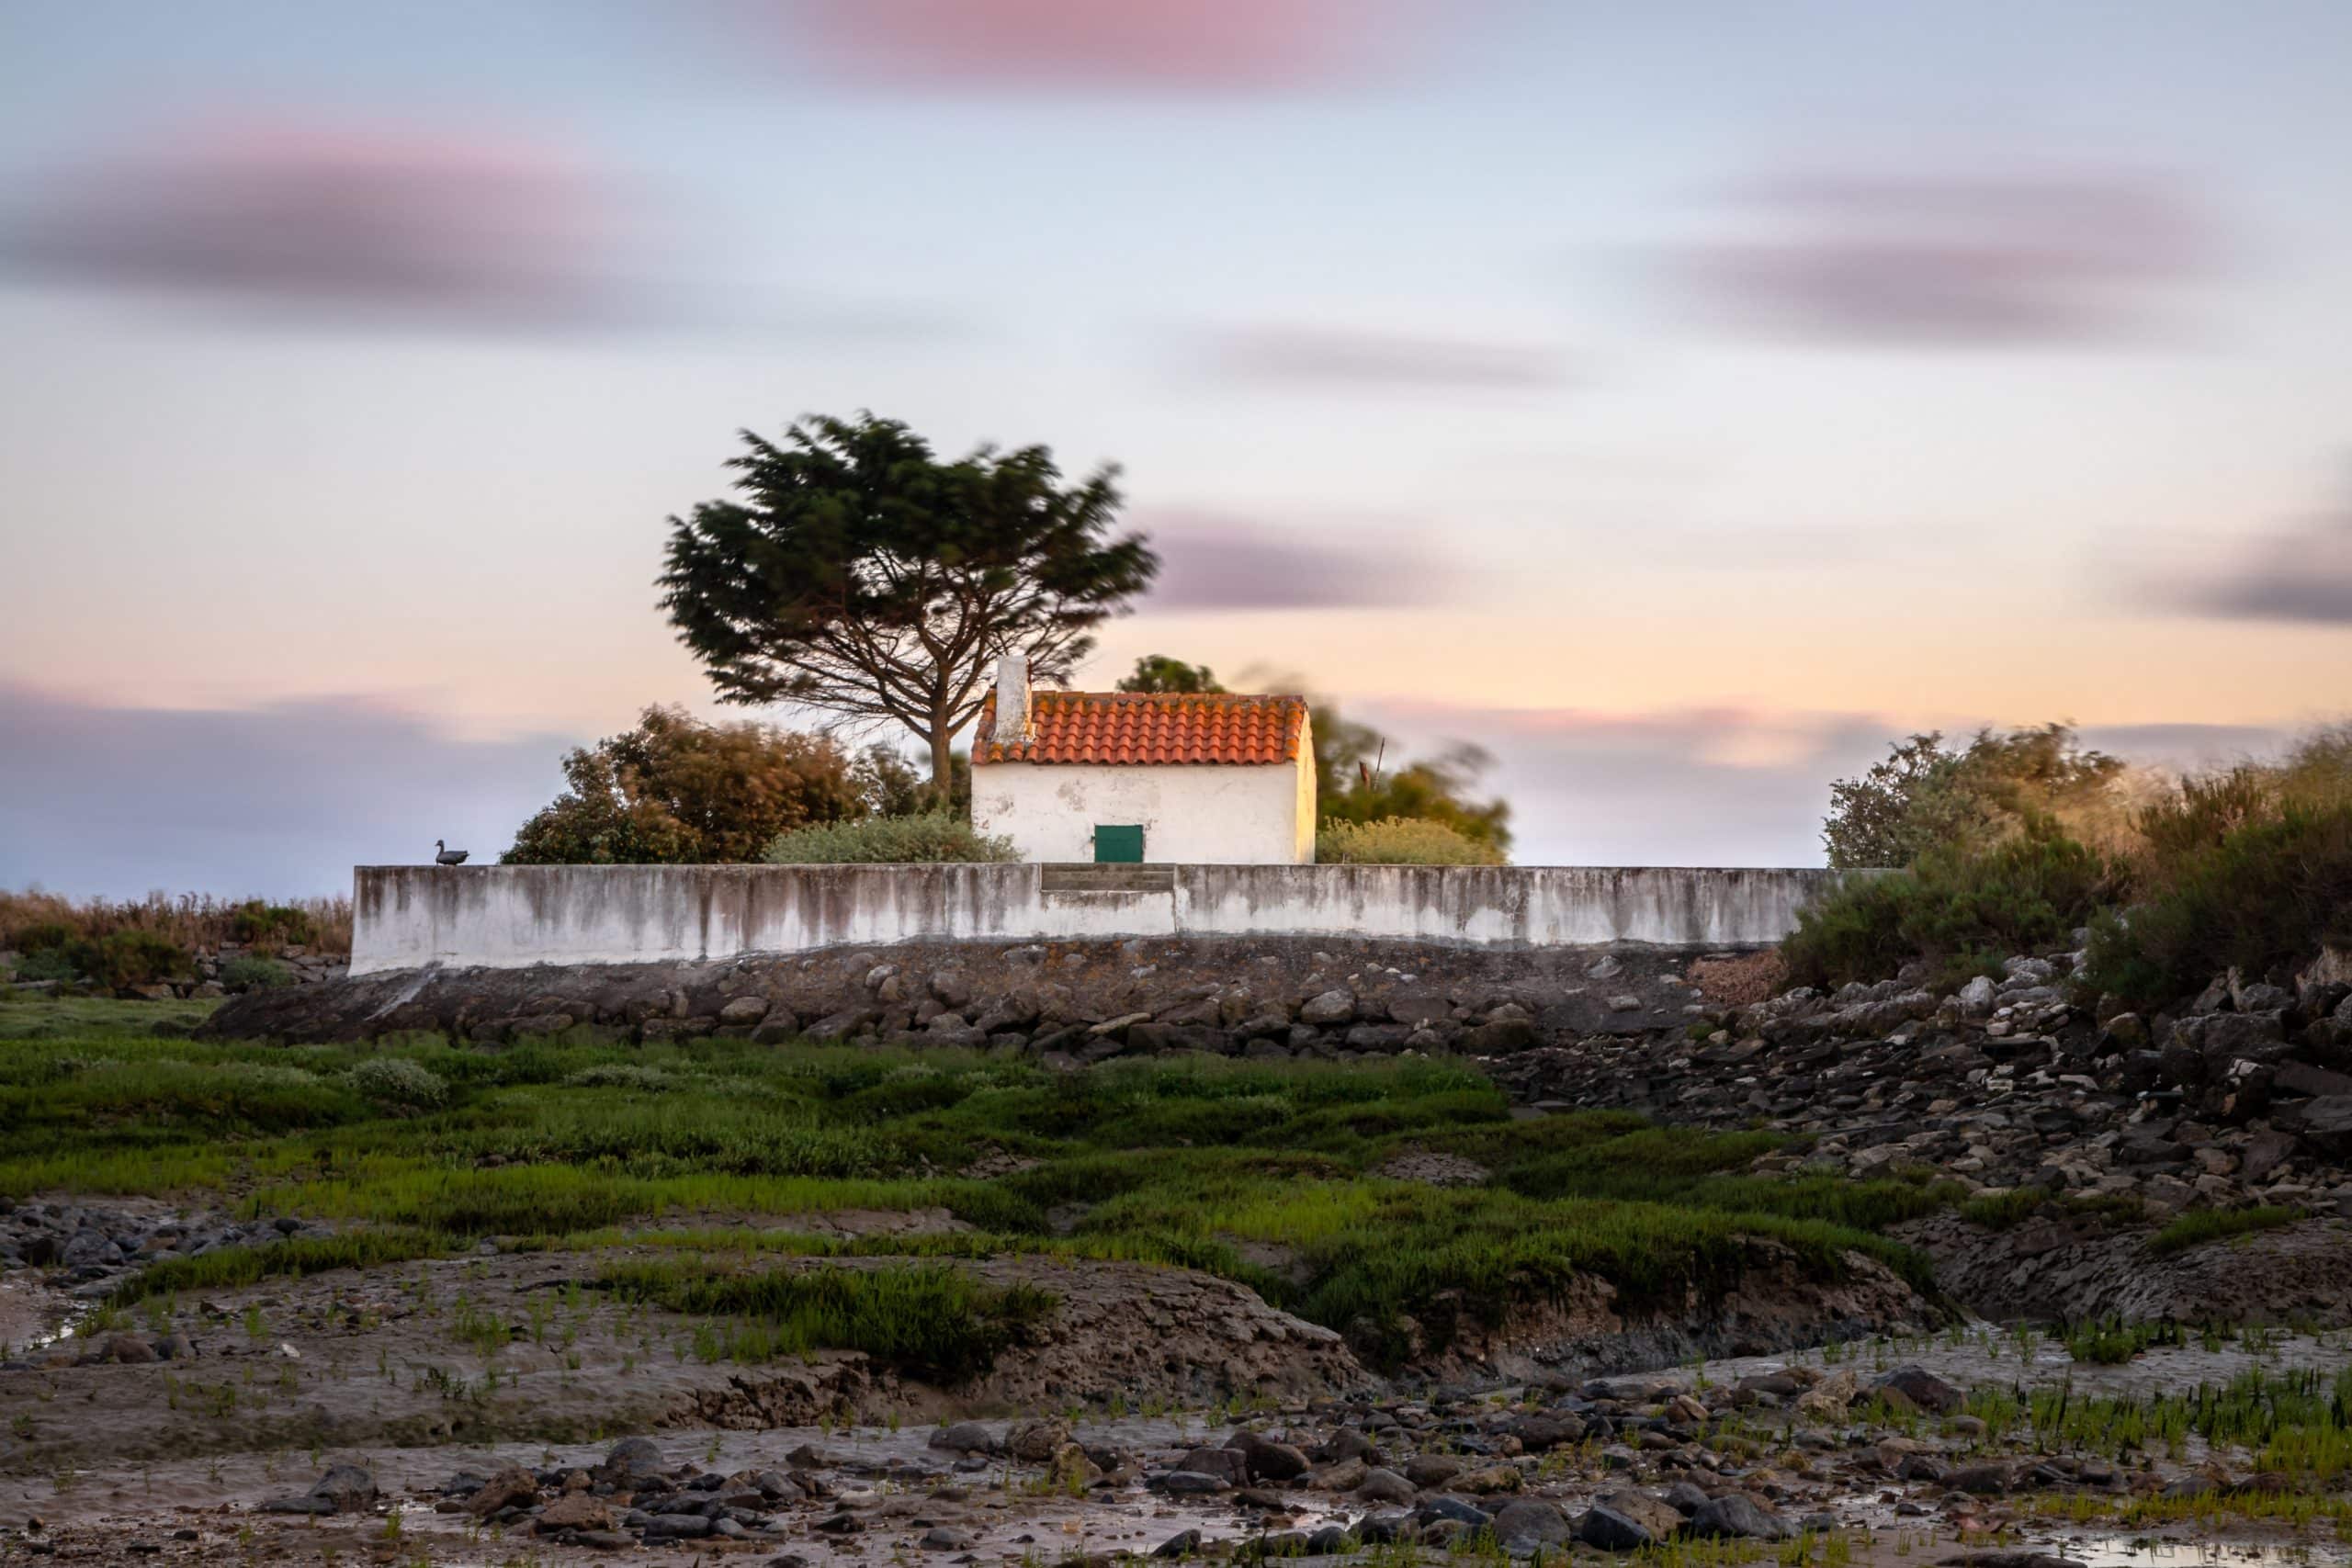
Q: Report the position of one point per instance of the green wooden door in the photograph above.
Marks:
(1118, 845)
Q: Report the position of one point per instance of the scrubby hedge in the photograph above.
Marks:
(1401, 840)
(2249, 867)
(931, 839)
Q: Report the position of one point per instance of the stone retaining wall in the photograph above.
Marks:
(503, 917)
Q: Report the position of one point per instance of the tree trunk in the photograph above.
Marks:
(942, 765)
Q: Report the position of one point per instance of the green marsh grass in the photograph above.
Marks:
(1265, 1173)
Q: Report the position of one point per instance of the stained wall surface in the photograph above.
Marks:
(501, 916)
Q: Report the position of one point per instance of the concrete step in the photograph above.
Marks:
(1090, 878)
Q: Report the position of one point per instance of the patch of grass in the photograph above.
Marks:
(926, 1319)
(228, 1267)
(2111, 1341)
(2198, 1226)
(2006, 1211)
(2297, 1423)
(1264, 1173)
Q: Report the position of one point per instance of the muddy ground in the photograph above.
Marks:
(1108, 1483)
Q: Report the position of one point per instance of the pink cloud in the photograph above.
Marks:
(1215, 44)
(1229, 563)
(1993, 259)
(323, 215)
(1377, 359)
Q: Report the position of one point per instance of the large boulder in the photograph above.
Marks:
(1735, 1514)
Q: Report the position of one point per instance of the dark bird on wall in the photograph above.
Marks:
(448, 856)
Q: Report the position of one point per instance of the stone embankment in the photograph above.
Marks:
(1083, 1000)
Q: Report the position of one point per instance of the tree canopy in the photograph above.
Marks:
(1925, 796)
(856, 573)
(676, 791)
(1157, 672)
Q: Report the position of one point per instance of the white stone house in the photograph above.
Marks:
(1219, 778)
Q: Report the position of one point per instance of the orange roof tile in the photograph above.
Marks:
(1149, 726)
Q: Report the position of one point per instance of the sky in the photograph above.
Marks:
(1680, 400)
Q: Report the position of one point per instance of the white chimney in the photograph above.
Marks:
(1011, 700)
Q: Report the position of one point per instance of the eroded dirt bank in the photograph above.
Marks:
(1876, 1452)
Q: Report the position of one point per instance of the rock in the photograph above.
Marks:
(513, 1487)
(2326, 1124)
(1500, 1037)
(1604, 1526)
(1432, 1470)
(1735, 1514)
(1980, 1480)
(1538, 1433)
(842, 1024)
(1531, 1522)
(947, 1538)
(693, 1527)
(1183, 1543)
(1386, 1487)
(1267, 1459)
(1331, 1007)
(1494, 1478)
(745, 1009)
(574, 1511)
(1685, 1498)
(1830, 1396)
(1228, 1465)
(1924, 1389)
(964, 1437)
(1036, 1442)
(1341, 1475)
(346, 1488)
(129, 1350)
(1193, 1483)
(1660, 1517)
(633, 1458)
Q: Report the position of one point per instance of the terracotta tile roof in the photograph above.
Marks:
(1140, 726)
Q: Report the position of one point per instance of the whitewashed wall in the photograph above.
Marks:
(406, 917)
(1259, 814)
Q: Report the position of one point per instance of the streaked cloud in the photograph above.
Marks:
(284, 798)
(1953, 260)
(1215, 45)
(1211, 562)
(1336, 357)
(2301, 573)
(317, 215)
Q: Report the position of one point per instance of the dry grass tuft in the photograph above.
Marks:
(1739, 981)
(189, 920)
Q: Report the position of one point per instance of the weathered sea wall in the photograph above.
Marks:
(502, 917)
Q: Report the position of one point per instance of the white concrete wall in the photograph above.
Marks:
(1239, 814)
(406, 917)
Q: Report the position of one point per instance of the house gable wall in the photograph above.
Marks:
(1233, 814)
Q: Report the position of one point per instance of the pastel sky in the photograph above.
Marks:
(1679, 399)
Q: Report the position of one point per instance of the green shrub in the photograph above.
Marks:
(398, 1082)
(47, 936)
(250, 974)
(2263, 895)
(1961, 911)
(255, 922)
(49, 964)
(131, 958)
(1400, 840)
(933, 838)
